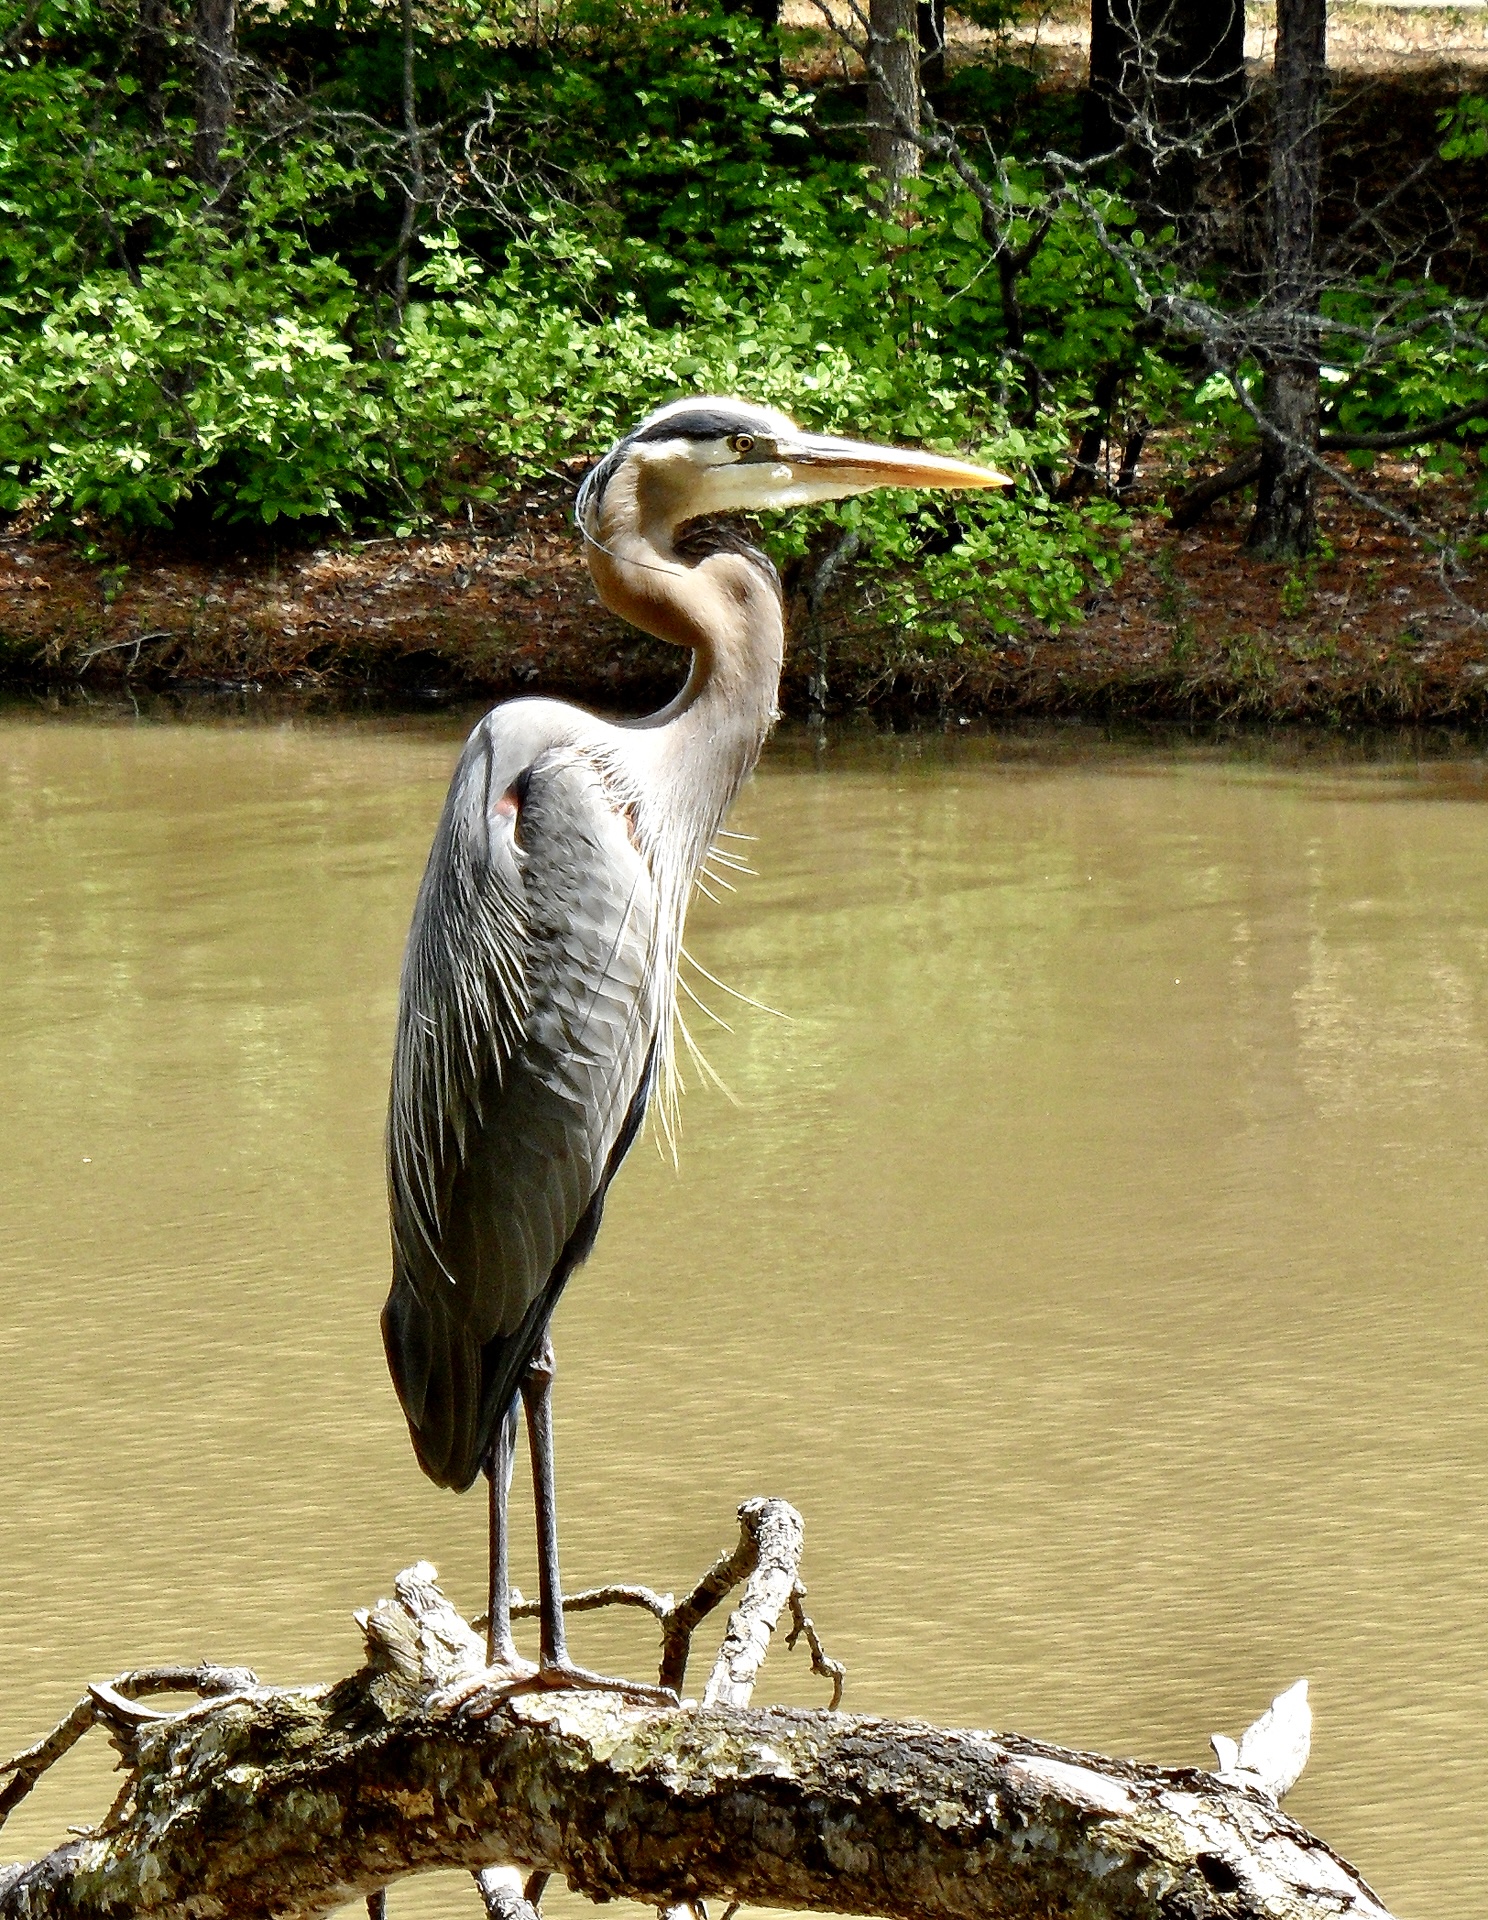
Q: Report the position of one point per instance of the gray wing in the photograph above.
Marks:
(520, 1074)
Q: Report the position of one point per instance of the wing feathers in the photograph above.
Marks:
(525, 1034)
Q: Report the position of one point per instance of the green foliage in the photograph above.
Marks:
(1465, 129)
(680, 226)
(623, 200)
(1295, 595)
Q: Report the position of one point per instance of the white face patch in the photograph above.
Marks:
(714, 476)
(693, 453)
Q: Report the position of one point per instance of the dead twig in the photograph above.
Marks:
(822, 1664)
(110, 1703)
(619, 1594)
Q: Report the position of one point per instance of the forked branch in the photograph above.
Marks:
(296, 1801)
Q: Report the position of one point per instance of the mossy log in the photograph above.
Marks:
(269, 1801)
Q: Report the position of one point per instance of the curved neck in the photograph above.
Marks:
(725, 607)
(683, 766)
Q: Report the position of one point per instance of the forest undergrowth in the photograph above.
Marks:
(305, 339)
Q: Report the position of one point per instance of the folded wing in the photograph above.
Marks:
(526, 1030)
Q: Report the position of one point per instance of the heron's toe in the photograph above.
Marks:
(562, 1674)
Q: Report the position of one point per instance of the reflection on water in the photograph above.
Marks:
(1094, 1255)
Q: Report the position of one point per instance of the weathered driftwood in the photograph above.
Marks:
(265, 1801)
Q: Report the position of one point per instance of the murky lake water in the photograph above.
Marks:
(1095, 1256)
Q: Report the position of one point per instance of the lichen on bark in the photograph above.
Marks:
(264, 1801)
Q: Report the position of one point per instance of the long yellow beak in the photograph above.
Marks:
(857, 465)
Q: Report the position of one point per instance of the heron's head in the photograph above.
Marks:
(709, 455)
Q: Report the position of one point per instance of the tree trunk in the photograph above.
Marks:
(413, 186)
(1103, 115)
(893, 93)
(215, 36)
(278, 1802)
(1284, 527)
(153, 54)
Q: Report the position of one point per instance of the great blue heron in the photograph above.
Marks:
(538, 988)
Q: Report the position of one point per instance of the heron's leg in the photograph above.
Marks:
(537, 1397)
(501, 1649)
(556, 1669)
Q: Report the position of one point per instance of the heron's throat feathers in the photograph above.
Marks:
(693, 593)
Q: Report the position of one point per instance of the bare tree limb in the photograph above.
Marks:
(1242, 470)
(1417, 436)
(591, 1599)
(716, 1585)
(774, 1537)
(295, 1801)
(765, 1559)
(209, 1681)
(1194, 504)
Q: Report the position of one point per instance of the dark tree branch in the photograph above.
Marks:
(1418, 436)
(1131, 457)
(1194, 504)
(1084, 473)
(1241, 471)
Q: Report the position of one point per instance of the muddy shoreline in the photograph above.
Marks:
(1195, 628)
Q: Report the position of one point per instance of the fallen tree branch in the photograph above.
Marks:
(296, 1801)
(1194, 504)
(1190, 508)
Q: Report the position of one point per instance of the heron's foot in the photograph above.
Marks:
(480, 1692)
(480, 1695)
(563, 1675)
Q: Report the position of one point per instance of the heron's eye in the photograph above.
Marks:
(741, 442)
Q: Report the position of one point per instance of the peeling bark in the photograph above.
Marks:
(296, 1801)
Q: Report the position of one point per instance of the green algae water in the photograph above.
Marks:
(1093, 1253)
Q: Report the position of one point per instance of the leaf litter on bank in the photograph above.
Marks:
(1192, 625)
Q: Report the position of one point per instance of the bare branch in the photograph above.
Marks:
(205, 1680)
(822, 1665)
(297, 1801)
(590, 1599)
(1200, 497)
(774, 1533)
(1417, 436)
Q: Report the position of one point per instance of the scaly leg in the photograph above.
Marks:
(537, 1398)
(556, 1669)
(505, 1672)
(501, 1649)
